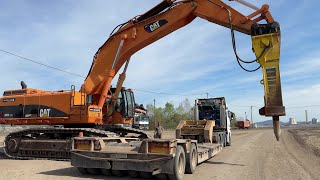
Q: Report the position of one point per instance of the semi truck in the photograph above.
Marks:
(243, 124)
(196, 141)
(141, 118)
(215, 109)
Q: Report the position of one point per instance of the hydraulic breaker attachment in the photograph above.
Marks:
(266, 45)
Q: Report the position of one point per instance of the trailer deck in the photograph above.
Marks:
(148, 157)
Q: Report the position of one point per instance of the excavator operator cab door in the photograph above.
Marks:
(129, 103)
(124, 103)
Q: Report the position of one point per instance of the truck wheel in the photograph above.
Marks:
(82, 170)
(229, 143)
(192, 159)
(224, 140)
(94, 171)
(179, 164)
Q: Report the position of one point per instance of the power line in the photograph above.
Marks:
(244, 106)
(152, 92)
(247, 106)
(61, 70)
(40, 63)
(303, 106)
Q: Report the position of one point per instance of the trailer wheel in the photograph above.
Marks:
(192, 159)
(229, 143)
(82, 170)
(94, 171)
(106, 172)
(146, 175)
(119, 173)
(179, 164)
(133, 174)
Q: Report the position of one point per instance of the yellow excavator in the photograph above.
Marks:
(95, 108)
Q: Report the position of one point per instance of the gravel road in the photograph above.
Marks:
(254, 154)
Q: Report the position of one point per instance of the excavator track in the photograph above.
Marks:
(55, 143)
(46, 143)
(125, 130)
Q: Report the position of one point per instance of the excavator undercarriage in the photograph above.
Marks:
(55, 143)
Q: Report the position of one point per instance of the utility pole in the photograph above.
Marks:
(246, 115)
(207, 95)
(251, 116)
(154, 111)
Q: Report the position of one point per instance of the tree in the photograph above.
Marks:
(169, 116)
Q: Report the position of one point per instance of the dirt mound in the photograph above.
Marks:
(309, 138)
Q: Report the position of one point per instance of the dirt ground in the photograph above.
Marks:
(254, 154)
(309, 138)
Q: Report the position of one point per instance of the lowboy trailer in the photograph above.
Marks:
(166, 158)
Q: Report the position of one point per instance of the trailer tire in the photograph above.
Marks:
(179, 164)
(229, 143)
(192, 159)
(94, 171)
(82, 170)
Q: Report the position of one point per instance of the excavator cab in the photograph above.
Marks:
(122, 113)
(124, 103)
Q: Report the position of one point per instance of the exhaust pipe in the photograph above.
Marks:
(23, 85)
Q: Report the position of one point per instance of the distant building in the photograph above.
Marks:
(292, 121)
(314, 121)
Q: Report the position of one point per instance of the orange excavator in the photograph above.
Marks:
(96, 109)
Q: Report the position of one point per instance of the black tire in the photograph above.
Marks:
(229, 143)
(192, 159)
(94, 171)
(179, 164)
(106, 172)
(82, 170)
(119, 173)
(133, 174)
(146, 175)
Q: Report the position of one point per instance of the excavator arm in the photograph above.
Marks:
(170, 15)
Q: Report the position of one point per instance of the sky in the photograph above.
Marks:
(190, 62)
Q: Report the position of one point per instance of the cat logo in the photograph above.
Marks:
(155, 25)
(45, 112)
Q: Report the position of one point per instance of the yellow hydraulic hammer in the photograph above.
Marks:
(267, 48)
